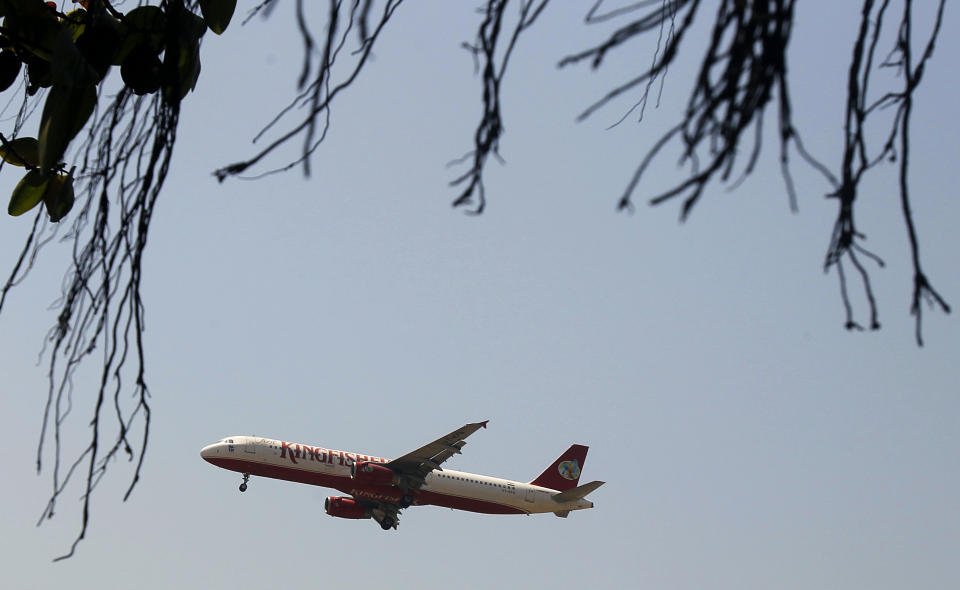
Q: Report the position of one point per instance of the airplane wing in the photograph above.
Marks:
(413, 467)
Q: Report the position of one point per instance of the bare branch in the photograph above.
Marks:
(486, 139)
(319, 95)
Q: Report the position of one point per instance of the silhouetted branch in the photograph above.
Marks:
(486, 139)
(742, 69)
(319, 95)
(857, 160)
(128, 155)
(922, 289)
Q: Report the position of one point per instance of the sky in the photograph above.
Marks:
(747, 440)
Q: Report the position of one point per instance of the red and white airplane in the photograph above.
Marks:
(381, 488)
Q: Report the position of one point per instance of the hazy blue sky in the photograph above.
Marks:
(747, 440)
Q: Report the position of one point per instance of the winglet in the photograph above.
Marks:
(484, 423)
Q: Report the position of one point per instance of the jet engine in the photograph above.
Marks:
(342, 507)
(365, 472)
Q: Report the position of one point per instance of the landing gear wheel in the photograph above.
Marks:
(406, 501)
(243, 487)
(386, 524)
(246, 478)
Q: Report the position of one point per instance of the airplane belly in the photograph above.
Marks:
(284, 472)
(465, 503)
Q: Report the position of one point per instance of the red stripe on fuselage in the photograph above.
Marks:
(346, 485)
(425, 497)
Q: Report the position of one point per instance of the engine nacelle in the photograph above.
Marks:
(344, 507)
(365, 472)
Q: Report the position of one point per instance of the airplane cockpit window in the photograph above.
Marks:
(230, 441)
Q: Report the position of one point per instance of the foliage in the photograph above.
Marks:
(71, 53)
(120, 166)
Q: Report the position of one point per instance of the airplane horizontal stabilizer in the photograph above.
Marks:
(578, 492)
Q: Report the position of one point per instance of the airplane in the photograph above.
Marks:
(380, 488)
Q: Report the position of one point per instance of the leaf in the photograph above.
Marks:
(22, 151)
(181, 59)
(28, 193)
(141, 26)
(10, 66)
(55, 190)
(69, 67)
(38, 75)
(33, 25)
(141, 71)
(75, 22)
(190, 28)
(98, 45)
(58, 197)
(217, 13)
(189, 69)
(64, 115)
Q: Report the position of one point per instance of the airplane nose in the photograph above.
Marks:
(210, 451)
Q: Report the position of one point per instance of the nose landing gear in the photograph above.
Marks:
(246, 478)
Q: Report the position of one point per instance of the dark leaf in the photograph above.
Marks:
(32, 25)
(98, 45)
(39, 75)
(9, 68)
(217, 13)
(64, 115)
(141, 70)
(58, 197)
(141, 26)
(69, 67)
(28, 193)
(22, 151)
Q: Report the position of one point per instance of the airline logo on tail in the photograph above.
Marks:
(569, 470)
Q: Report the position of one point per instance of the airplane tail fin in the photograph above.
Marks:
(564, 473)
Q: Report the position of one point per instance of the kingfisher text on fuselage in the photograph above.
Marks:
(296, 451)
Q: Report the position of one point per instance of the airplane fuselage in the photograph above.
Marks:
(332, 469)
